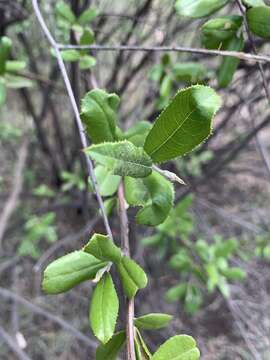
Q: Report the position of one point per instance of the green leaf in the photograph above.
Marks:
(110, 350)
(198, 8)
(109, 205)
(103, 248)
(137, 133)
(181, 261)
(104, 309)
(258, 19)
(5, 47)
(224, 287)
(166, 86)
(13, 65)
(187, 121)
(132, 276)
(154, 193)
(176, 293)
(107, 182)
(122, 158)
(87, 38)
(152, 321)
(153, 240)
(190, 72)
(234, 273)
(226, 248)
(64, 12)
(2, 92)
(71, 55)
(213, 277)
(17, 82)
(156, 72)
(193, 299)
(44, 191)
(70, 270)
(87, 16)
(253, 3)
(87, 62)
(98, 113)
(216, 31)
(230, 64)
(179, 347)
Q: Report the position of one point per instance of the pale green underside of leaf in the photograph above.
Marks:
(104, 309)
(107, 182)
(102, 247)
(179, 347)
(13, 65)
(70, 270)
(98, 113)
(132, 276)
(122, 158)
(154, 193)
(183, 124)
(254, 3)
(17, 82)
(138, 133)
(198, 8)
(110, 350)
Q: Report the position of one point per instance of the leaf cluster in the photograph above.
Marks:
(9, 69)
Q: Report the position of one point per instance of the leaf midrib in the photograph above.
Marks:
(178, 128)
(123, 160)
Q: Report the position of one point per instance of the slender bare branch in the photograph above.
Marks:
(7, 294)
(8, 339)
(126, 250)
(237, 54)
(12, 201)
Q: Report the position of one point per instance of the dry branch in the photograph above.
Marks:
(236, 54)
(12, 201)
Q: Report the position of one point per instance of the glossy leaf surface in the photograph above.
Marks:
(70, 270)
(179, 347)
(98, 113)
(104, 309)
(183, 124)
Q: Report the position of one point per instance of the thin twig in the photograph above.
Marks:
(13, 345)
(40, 78)
(7, 294)
(250, 346)
(264, 153)
(234, 218)
(90, 167)
(236, 54)
(126, 250)
(12, 201)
